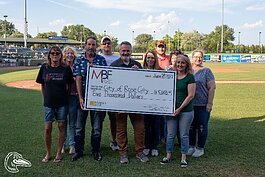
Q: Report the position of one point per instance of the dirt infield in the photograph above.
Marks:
(26, 84)
(31, 84)
(17, 68)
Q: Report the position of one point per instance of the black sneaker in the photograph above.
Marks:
(97, 156)
(164, 161)
(183, 164)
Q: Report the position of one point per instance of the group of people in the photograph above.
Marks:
(63, 83)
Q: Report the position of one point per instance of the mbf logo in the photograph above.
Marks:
(102, 75)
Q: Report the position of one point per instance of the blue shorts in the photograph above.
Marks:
(55, 113)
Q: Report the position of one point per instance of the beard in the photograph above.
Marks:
(90, 52)
(125, 58)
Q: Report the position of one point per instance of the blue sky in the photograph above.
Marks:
(121, 17)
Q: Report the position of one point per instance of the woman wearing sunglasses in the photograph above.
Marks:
(54, 78)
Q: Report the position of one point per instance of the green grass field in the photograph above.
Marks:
(235, 145)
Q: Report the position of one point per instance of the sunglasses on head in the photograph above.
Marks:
(55, 53)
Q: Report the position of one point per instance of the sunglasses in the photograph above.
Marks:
(105, 43)
(55, 53)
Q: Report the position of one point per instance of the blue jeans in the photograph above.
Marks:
(199, 126)
(97, 118)
(152, 131)
(73, 106)
(183, 122)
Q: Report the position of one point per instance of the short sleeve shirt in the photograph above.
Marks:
(202, 77)
(110, 58)
(81, 63)
(55, 81)
(163, 61)
(182, 92)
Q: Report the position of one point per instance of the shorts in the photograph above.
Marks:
(55, 113)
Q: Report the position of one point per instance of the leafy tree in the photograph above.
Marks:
(177, 40)
(6, 28)
(46, 35)
(18, 34)
(169, 43)
(142, 42)
(212, 41)
(191, 40)
(77, 32)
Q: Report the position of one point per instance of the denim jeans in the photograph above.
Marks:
(199, 126)
(58, 113)
(73, 106)
(97, 118)
(183, 122)
(152, 131)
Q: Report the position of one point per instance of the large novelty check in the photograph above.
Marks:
(132, 91)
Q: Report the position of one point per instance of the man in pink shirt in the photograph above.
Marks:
(163, 59)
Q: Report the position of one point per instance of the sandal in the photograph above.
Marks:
(45, 160)
(57, 160)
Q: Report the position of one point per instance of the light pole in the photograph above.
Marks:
(25, 24)
(259, 42)
(222, 31)
(104, 32)
(5, 16)
(239, 37)
(132, 40)
(178, 39)
(175, 41)
(154, 35)
(168, 37)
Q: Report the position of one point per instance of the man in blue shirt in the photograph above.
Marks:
(80, 72)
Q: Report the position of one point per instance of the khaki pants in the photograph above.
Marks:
(137, 121)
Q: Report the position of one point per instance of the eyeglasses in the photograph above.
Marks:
(55, 53)
(105, 43)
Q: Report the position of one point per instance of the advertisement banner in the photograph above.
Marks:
(246, 58)
(230, 58)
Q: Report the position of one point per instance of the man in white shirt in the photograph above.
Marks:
(106, 47)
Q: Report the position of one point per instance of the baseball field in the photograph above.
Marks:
(235, 145)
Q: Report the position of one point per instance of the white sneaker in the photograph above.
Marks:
(198, 153)
(154, 152)
(191, 150)
(146, 151)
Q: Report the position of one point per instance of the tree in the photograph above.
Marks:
(169, 43)
(7, 28)
(142, 42)
(77, 32)
(46, 35)
(18, 34)
(191, 40)
(177, 40)
(212, 41)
